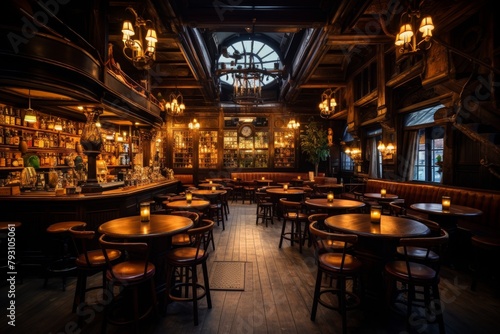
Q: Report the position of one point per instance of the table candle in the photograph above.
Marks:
(263, 178)
(189, 197)
(298, 177)
(285, 187)
(375, 214)
(329, 197)
(145, 212)
(210, 182)
(383, 192)
(446, 202)
(213, 189)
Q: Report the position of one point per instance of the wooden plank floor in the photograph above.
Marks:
(277, 297)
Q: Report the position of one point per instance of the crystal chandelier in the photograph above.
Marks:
(328, 104)
(194, 125)
(406, 39)
(293, 125)
(140, 51)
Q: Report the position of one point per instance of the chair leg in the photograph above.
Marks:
(282, 232)
(317, 288)
(194, 282)
(207, 284)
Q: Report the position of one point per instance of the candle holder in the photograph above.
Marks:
(189, 197)
(446, 203)
(213, 189)
(285, 187)
(375, 214)
(145, 212)
(329, 197)
(263, 178)
(210, 182)
(383, 192)
(298, 177)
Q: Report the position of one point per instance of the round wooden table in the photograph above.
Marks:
(331, 207)
(157, 233)
(376, 245)
(195, 205)
(277, 193)
(379, 197)
(209, 185)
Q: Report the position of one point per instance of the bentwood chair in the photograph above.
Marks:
(186, 261)
(419, 281)
(130, 273)
(88, 262)
(184, 239)
(340, 266)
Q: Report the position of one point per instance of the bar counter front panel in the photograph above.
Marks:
(37, 210)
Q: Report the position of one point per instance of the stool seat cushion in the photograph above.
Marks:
(129, 272)
(96, 257)
(64, 226)
(486, 242)
(186, 254)
(333, 262)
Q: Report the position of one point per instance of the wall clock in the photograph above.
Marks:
(246, 130)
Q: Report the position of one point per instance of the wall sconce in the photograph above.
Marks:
(145, 212)
(194, 125)
(329, 197)
(375, 214)
(354, 154)
(140, 51)
(446, 203)
(406, 39)
(327, 104)
(386, 151)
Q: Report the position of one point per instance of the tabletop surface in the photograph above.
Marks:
(159, 225)
(209, 185)
(379, 196)
(183, 204)
(330, 185)
(389, 227)
(336, 204)
(437, 209)
(205, 192)
(284, 192)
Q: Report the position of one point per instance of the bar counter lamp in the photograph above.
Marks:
(285, 187)
(383, 192)
(145, 212)
(30, 115)
(375, 214)
(446, 203)
(329, 197)
(189, 197)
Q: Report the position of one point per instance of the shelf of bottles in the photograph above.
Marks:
(183, 149)
(119, 148)
(284, 149)
(207, 149)
(18, 138)
(253, 151)
(230, 152)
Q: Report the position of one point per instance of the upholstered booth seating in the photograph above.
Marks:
(277, 177)
(186, 181)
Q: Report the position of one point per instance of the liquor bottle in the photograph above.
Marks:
(12, 116)
(6, 114)
(2, 116)
(1, 135)
(18, 117)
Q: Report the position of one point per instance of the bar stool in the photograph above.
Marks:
(62, 260)
(264, 208)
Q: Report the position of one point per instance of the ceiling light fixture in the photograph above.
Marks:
(140, 51)
(327, 104)
(58, 124)
(406, 39)
(293, 125)
(175, 104)
(30, 115)
(194, 125)
(248, 73)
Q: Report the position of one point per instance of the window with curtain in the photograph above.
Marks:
(424, 143)
(346, 161)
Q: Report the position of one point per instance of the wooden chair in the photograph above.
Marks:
(321, 245)
(420, 254)
(130, 273)
(397, 207)
(184, 239)
(418, 279)
(292, 212)
(186, 260)
(88, 262)
(340, 266)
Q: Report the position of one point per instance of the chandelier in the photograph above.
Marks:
(328, 104)
(354, 153)
(247, 71)
(174, 106)
(293, 125)
(140, 51)
(194, 125)
(406, 39)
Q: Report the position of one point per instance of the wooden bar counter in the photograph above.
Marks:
(38, 209)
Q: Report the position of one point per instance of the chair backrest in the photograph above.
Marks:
(82, 241)
(137, 252)
(320, 218)
(436, 244)
(195, 217)
(346, 240)
(200, 234)
(290, 208)
(432, 225)
(397, 207)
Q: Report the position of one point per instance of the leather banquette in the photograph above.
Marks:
(277, 177)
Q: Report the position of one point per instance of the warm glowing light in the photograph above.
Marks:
(383, 192)
(145, 212)
(285, 187)
(375, 214)
(329, 197)
(189, 197)
(446, 203)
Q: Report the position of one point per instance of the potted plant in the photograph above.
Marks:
(314, 143)
(439, 163)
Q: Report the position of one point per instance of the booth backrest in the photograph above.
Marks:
(186, 179)
(486, 201)
(277, 177)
